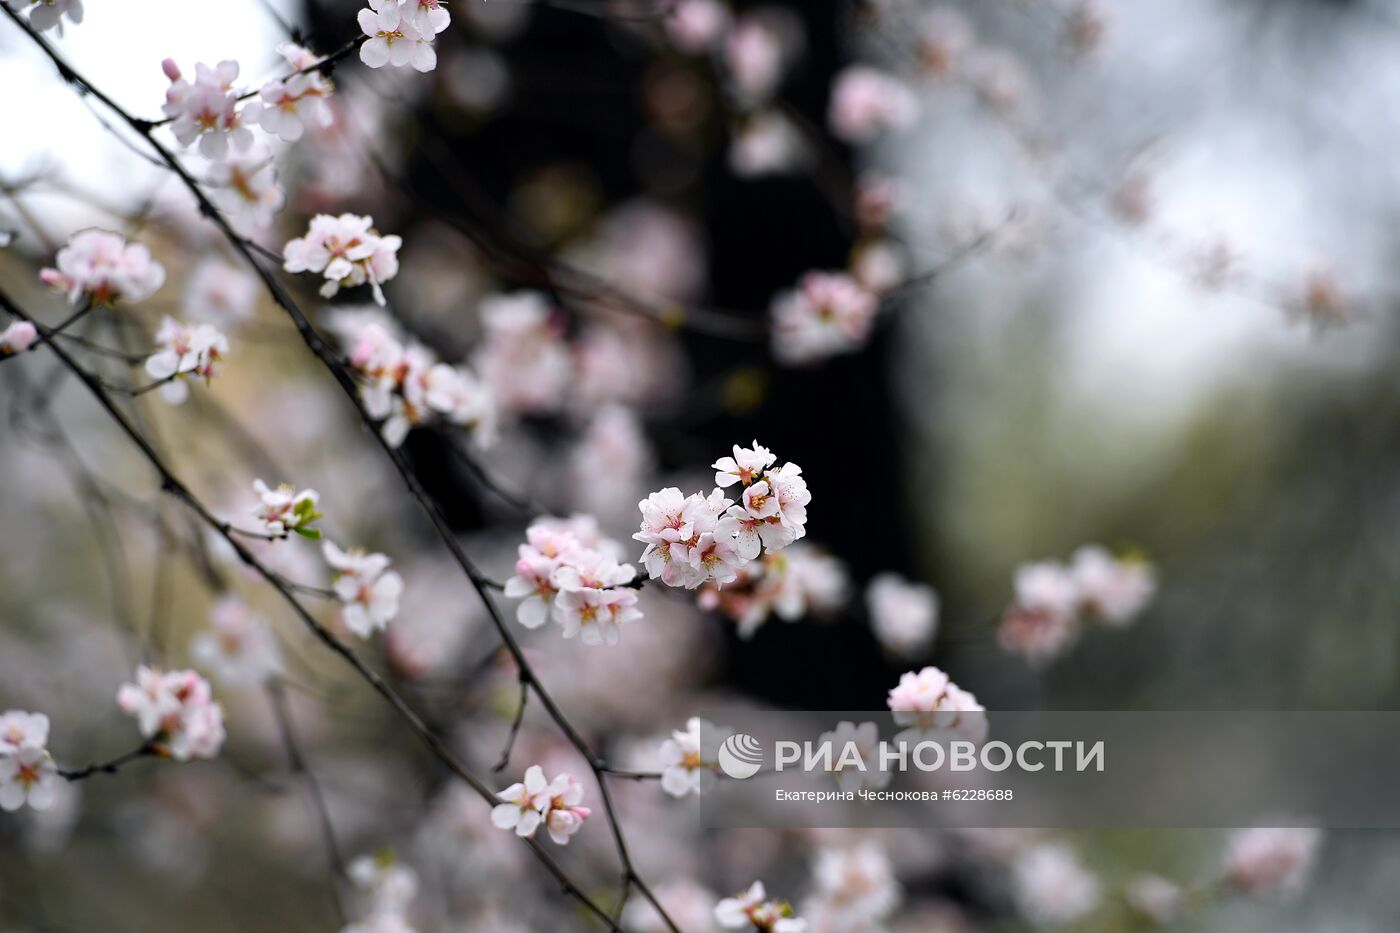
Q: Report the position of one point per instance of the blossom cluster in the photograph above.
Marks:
(405, 385)
(175, 711)
(566, 569)
(928, 702)
(697, 539)
(17, 338)
(346, 251)
(855, 889)
(751, 910)
(1052, 599)
(292, 103)
(367, 589)
(285, 510)
(401, 32)
(185, 352)
(27, 771)
(208, 109)
(101, 267)
(534, 802)
(790, 584)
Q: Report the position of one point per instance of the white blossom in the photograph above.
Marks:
(102, 267)
(347, 251)
(175, 711)
(208, 110)
(368, 591)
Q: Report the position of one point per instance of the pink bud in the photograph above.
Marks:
(172, 70)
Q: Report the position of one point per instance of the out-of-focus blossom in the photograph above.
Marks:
(368, 591)
(827, 314)
(945, 37)
(185, 352)
(292, 103)
(1043, 621)
(928, 702)
(239, 646)
(388, 888)
(696, 26)
(866, 102)
(791, 584)
(401, 32)
(751, 910)
(245, 188)
(1321, 300)
(19, 729)
(878, 265)
(555, 804)
(175, 711)
(758, 49)
(864, 739)
(903, 615)
(1271, 861)
(684, 770)
(522, 355)
(1112, 590)
(208, 110)
(1001, 81)
(347, 251)
(855, 889)
(1051, 888)
(1085, 26)
(1154, 898)
(766, 143)
(608, 467)
(18, 337)
(101, 267)
(48, 14)
(689, 904)
(567, 569)
(219, 294)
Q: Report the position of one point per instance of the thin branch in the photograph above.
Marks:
(515, 724)
(110, 767)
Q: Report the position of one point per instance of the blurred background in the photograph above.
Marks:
(1135, 268)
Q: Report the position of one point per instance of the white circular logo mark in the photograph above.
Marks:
(740, 756)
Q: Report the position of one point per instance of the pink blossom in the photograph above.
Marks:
(866, 102)
(903, 615)
(102, 267)
(208, 109)
(1271, 861)
(175, 711)
(828, 314)
(18, 337)
(929, 702)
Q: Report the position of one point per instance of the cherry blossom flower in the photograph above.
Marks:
(185, 351)
(695, 26)
(284, 510)
(298, 100)
(368, 591)
(401, 32)
(347, 251)
(219, 294)
(758, 49)
(828, 314)
(101, 267)
(388, 888)
(528, 805)
(208, 109)
(1271, 861)
(245, 188)
(855, 888)
(18, 337)
(565, 568)
(522, 354)
(48, 14)
(521, 810)
(865, 738)
(750, 910)
(19, 729)
(1111, 590)
(684, 770)
(455, 393)
(1051, 888)
(175, 711)
(746, 466)
(1154, 898)
(27, 775)
(239, 646)
(928, 702)
(903, 615)
(608, 467)
(866, 102)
